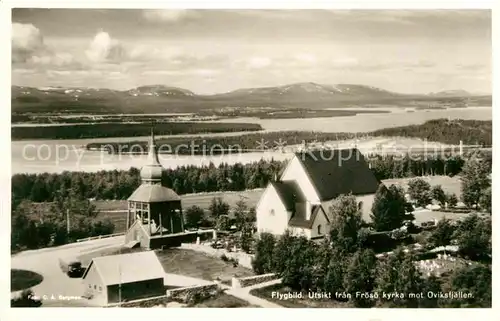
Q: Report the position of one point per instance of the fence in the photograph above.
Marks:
(252, 280)
(100, 237)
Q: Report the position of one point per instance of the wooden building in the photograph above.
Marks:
(125, 277)
(154, 211)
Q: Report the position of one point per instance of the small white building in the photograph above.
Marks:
(124, 277)
(300, 199)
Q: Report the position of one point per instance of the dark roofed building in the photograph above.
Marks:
(337, 172)
(299, 201)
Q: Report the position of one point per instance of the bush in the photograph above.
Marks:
(420, 191)
(438, 195)
(27, 299)
(452, 200)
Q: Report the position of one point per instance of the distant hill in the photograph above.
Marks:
(451, 93)
(160, 90)
(310, 92)
(168, 99)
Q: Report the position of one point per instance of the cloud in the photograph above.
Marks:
(27, 40)
(258, 62)
(168, 15)
(105, 49)
(29, 48)
(306, 58)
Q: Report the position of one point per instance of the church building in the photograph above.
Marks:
(299, 201)
(154, 215)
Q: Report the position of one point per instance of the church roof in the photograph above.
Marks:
(289, 193)
(339, 171)
(298, 218)
(127, 268)
(153, 193)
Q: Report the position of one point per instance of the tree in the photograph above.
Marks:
(346, 221)
(475, 280)
(282, 252)
(240, 214)
(473, 237)
(485, 200)
(420, 191)
(337, 266)
(475, 178)
(443, 234)
(251, 215)
(398, 274)
(451, 200)
(431, 284)
(300, 265)
(388, 209)
(360, 277)
(222, 223)
(193, 216)
(218, 207)
(264, 249)
(246, 238)
(438, 195)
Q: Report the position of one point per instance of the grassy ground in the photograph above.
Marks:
(199, 265)
(23, 279)
(305, 302)
(449, 184)
(251, 197)
(203, 200)
(184, 262)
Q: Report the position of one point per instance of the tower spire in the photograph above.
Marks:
(152, 153)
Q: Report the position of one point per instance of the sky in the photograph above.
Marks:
(213, 51)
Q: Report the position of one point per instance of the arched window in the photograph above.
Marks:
(319, 229)
(271, 212)
(360, 206)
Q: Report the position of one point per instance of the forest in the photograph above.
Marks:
(445, 131)
(116, 184)
(471, 132)
(100, 130)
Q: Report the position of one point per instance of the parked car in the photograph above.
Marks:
(75, 270)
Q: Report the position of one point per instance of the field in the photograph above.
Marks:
(115, 210)
(118, 208)
(199, 265)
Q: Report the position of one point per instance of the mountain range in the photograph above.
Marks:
(161, 98)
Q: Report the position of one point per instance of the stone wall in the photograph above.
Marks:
(252, 280)
(144, 303)
(194, 294)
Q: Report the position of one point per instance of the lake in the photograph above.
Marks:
(37, 156)
(367, 122)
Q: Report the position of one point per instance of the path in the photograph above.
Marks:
(57, 287)
(244, 294)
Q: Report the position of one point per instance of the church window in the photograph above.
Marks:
(319, 229)
(271, 212)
